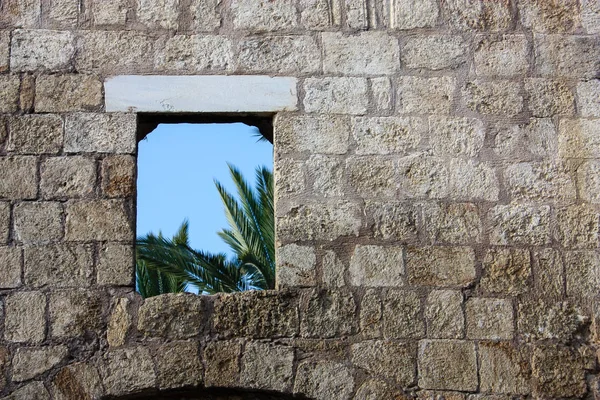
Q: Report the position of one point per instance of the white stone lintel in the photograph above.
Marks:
(206, 93)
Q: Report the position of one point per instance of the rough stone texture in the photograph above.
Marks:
(35, 134)
(285, 54)
(4, 221)
(456, 223)
(423, 176)
(478, 15)
(267, 367)
(221, 360)
(560, 56)
(45, 50)
(195, 53)
(18, 177)
(339, 95)
(519, 225)
(115, 265)
(74, 313)
(506, 271)
(493, 97)
(381, 89)
(29, 363)
(409, 15)
(434, 358)
(557, 371)
(103, 133)
(472, 180)
(4, 50)
(327, 175)
(456, 136)
(434, 52)
(505, 55)
(64, 13)
(548, 271)
(386, 359)
(548, 97)
(392, 220)
(205, 15)
(25, 319)
(444, 314)
(536, 139)
(60, 265)
(377, 389)
(67, 93)
(38, 222)
(489, 318)
(324, 380)
(110, 12)
(77, 381)
(320, 135)
(440, 266)
(9, 93)
(402, 315)
(327, 314)
(176, 316)
(297, 265)
(333, 270)
(373, 53)
(590, 16)
(119, 324)
(588, 98)
(97, 220)
(540, 181)
(425, 95)
(128, 370)
(21, 13)
(377, 266)
(118, 176)
(549, 16)
(178, 364)
(67, 177)
(588, 179)
(373, 177)
(503, 368)
(582, 269)
(577, 138)
(32, 391)
(578, 227)
(387, 135)
(263, 16)
(11, 259)
(158, 15)
(557, 320)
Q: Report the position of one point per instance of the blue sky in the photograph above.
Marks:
(177, 165)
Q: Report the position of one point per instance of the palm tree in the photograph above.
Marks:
(170, 265)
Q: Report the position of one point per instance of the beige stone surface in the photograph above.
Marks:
(327, 175)
(434, 358)
(267, 367)
(425, 95)
(58, 265)
(161, 14)
(324, 380)
(262, 16)
(21, 13)
(588, 181)
(444, 314)
(336, 95)
(557, 371)
(372, 53)
(498, 97)
(327, 314)
(494, 16)
(535, 139)
(560, 56)
(549, 97)
(455, 223)
(67, 177)
(176, 316)
(118, 176)
(582, 270)
(440, 266)
(377, 389)
(9, 93)
(504, 368)
(205, 15)
(284, 54)
(43, 50)
(38, 222)
(222, 363)
(410, 15)
(540, 181)
(25, 319)
(578, 227)
(11, 259)
(577, 138)
(455, 136)
(195, 53)
(110, 12)
(296, 266)
(386, 359)
(377, 266)
(178, 364)
(550, 319)
(97, 220)
(402, 315)
(423, 176)
(4, 221)
(506, 55)
(489, 318)
(588, 98)
(549, 16)
(31, 391)
(392, 220)
(590, 16)
(102, 133)
(387, 135)
(19, 179)
(74, 313)
(67, 93)
(29, 363)
(316, 135)
(333, 270)
(519, 224)
(35, 134)
(77, 380)
(128, 370)
(434, 52)
(506, 271)
(381, 89)
(120, 323)
(4, 50)
(64, 13)
(371, 314)
(548, 271)
(372, 177)
(115, 265)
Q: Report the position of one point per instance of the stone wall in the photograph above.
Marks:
(438, 198)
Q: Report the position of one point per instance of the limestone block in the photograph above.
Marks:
(45, 50)
(327, 175)
(582, 272)
(27, 95)
(506, 55)
(280, 54)
(440, 266)
(588, 180)
(490, 319)
(387, 359)
(264, 16)
(546, 319)
(557, 371)
(322, 135)
(392, 220)
(410, 15)
(519, 224)
(312, 221)
(195, 53)
(221, 360)
(377, 266)
(11, 259)
(35, 134)
(128, 371)
(588, 98)
(590, 16)
(327, 314)
(110, 12)
(119, 325)
(74, 313)
(324, 380)
(373, 53)
(578, 227)
(38, 222)
(372, 176)
(289, 178)
(356, 14)
(549, 16)
(296, 265)
(9, 93)
(577, 138)
(4, 50)
(425, 95)
(256, 315)
(205, 15)
(447, 395)
(549, 97)
(332, 269)
(532, 140)
(402, 315)
(173, 316)
(336, 95)
(539, 182)
(423, 176)
(434, 52)
(506, 271)
(316, 14)
(503, 368)
(18, 177)
(371, 314)
(67, 177)
(377, 389)
(76, 381)
(58, 265)
(387, 135)
(4, 221)
(454, 223)
(178, 364)
(115, 265)
(548, 270)
(478, 15)
(98, 220)
(566, 56)
(64, 13)
(267, 367)
(25, 319)
(21, 13)
(456, 136)
(161, 14)
(32, 391)
(470, 180)
(381, 89)
(434, 358)
(106, 133)
(444, 314)
(118, 176)
(499, 97)
(29, 363)
(66, 93)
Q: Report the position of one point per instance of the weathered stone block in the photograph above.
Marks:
(455, 223)
(205, 15)
(546, 319)
(18, 177)
(377, 389)
(66, 93)
(29, 363)
(582, 270)
(588, 180)
(289, 177)
(402, 315)
(549, 272)
(377, 266)
(195, 53)
(577, 138)
(327, 175)
(373, 53)
(118, 176)
(425, 95)
(578, 227)
(158, 14)
(373, 176)
(222, 362)
(455, 136)
(549, 16)
(296, 266)
(434, 52)
(173, 316)
(440, 266)
(98, 220)
(58, 265)
(492, 16)
(11, 259)
(35, 134)
(178, 364)
(490, 319)
(324, 380)
(25, 319)
(434, 358)
(504, 368)
(110, 12)
(590, 16)
(102, 133)
(386, 359)
(519, 224)
(327, 314)
(566, 56)
(76, 381)
(74, 313)
(588, 98)
(21, 13)
(38, 222)
(264, 16)
(322, 135)
(444, 315)
(423, 176)
(506, 271)
(540, 182)
(115, 265)
(557, 371)
(9, 93)
(499, 97)
(332, 269)
(42, 50)
(4, 221)
(128, 371)
(67, 177)
(410, 15)
(371, 314)
(505, 55)
(4, 50)
(392, 220)
(267, 367)
(356, 15)
(336, 95)
(64, 13)
(381, 89)
(533, 140)
(549, 97)
(387, 135)
(120, 323)
(281, 54)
